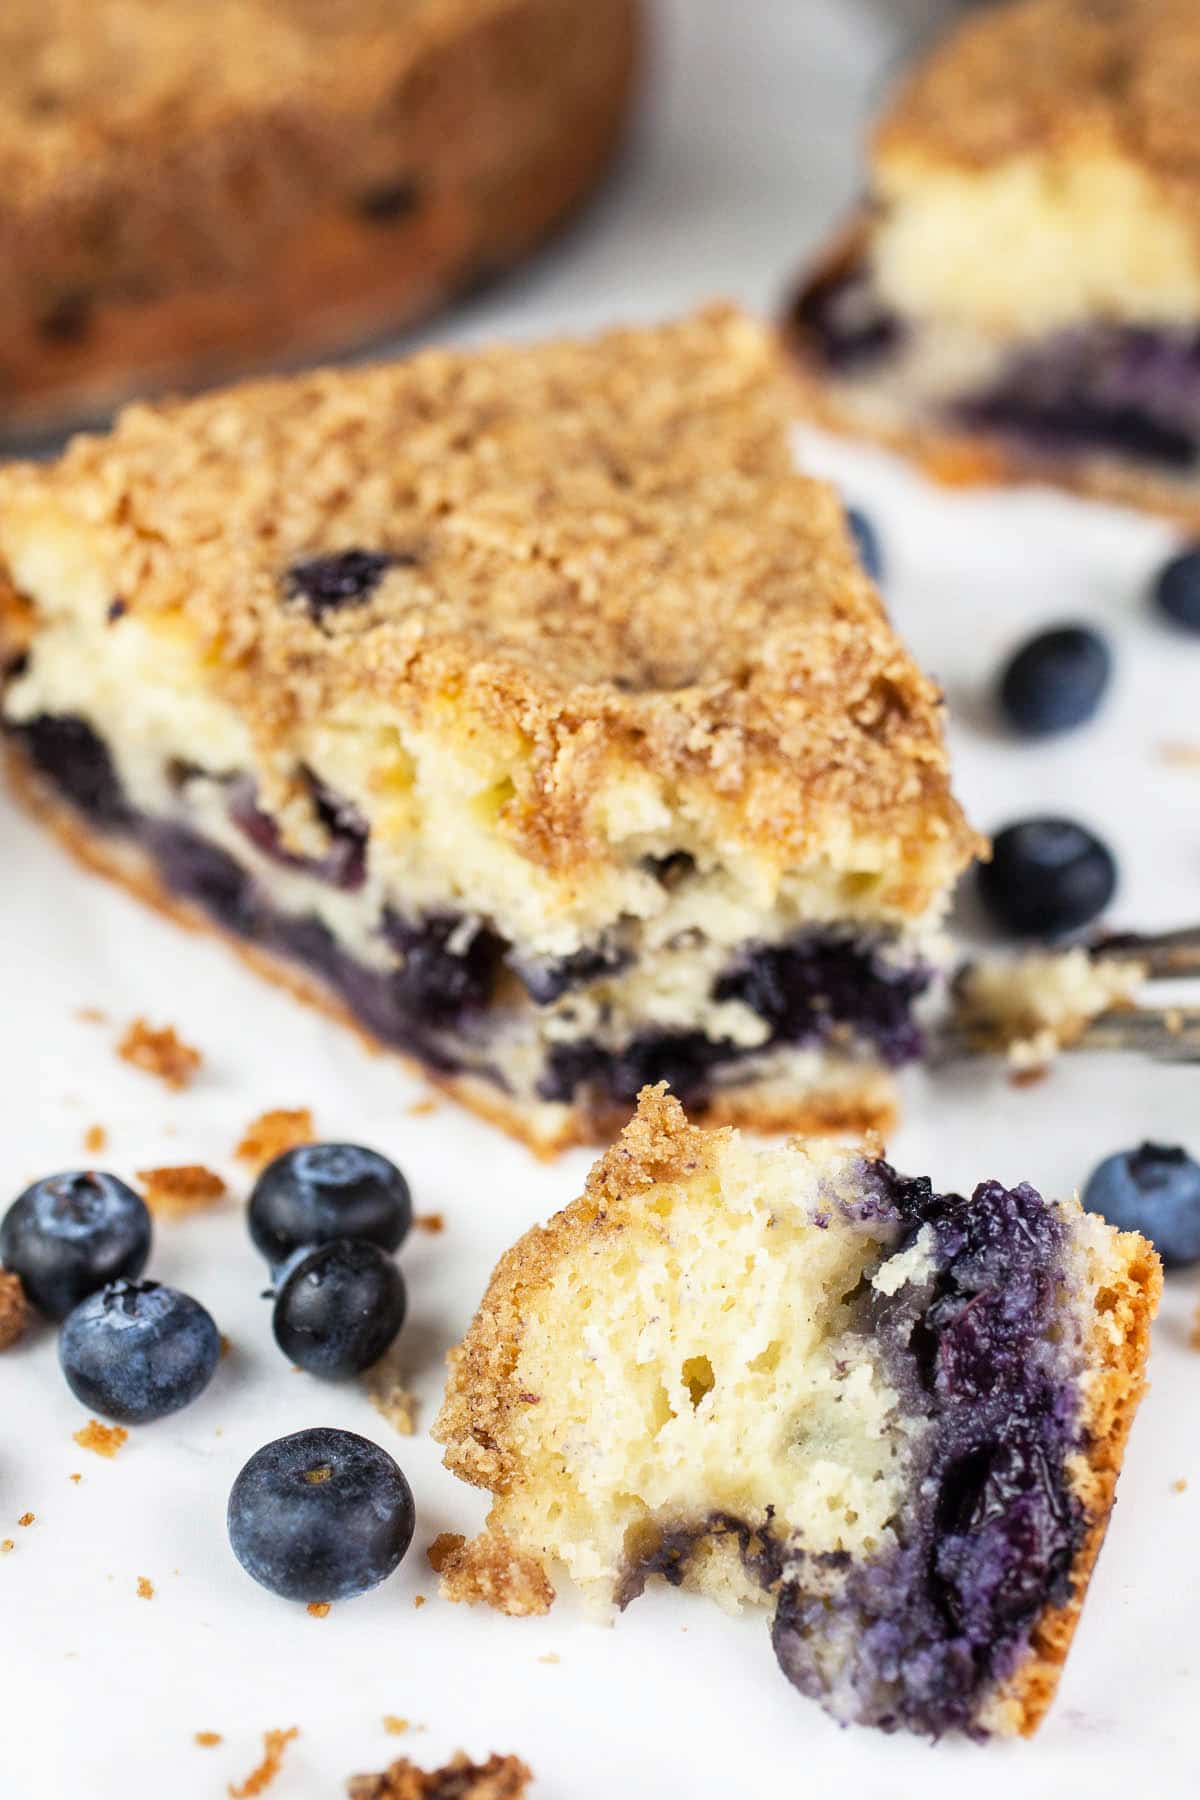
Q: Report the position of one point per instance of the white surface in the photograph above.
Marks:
(747, 149)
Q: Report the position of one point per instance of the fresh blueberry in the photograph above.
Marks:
(1154, 1189)
(338, 1307)
(324, 1191)
(866, 539)
(1047, 876)
(1056, 680)
(137, 1351)
(67, 1235)
(320, 1515)
(1177, 589)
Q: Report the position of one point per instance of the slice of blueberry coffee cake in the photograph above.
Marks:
(526, 707)
(794, 1378)
(1019, 298)
(190, 189)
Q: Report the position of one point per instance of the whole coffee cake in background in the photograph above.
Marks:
(1020, 296)
(186, 189)
(525, 707)
(794, 1378)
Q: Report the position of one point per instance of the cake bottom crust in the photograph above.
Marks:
(857, 1102)
(960, 458)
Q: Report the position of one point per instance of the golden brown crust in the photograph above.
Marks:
(14, 1309)
(1125, 1309)
(170, 213)
(605, 564)
(959, 458)
(866, 1103)
(1065, 76)
(499, 1778)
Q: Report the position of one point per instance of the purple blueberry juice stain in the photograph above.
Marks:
(819, 985)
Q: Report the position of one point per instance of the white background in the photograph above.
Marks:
(745, 153)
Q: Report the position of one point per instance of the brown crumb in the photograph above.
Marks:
(225, 1348)
(431, 1222)
(1180, 1486)
(318, 1609)
(490, 1571)
(6, 1545)
(145, 1588)
(499, 1778)
(1023, 1078)
(272, 1133)
(92, 1015)
(1180, 755)
(105, 1440)
(95, 1139)
(76, 1478)
(14, 1309)
(260, 1779)
(26, 1518)
(161, 1052)
(206, 1739)
(1194, 1339)
(418, 1600)
(186, 1188)
(394, 1726)
(421, 1109)
(389, 1396)
(551, 1656)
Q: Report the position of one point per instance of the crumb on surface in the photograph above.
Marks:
(174, 1192)
(105, 1440)
(26, 1518)
(490, 1571)
(318, 1609)
(551, 1656)
(225, 1348)
(7, 1544)
(394, 1726)
(145, 1588)
(14, 1309)
(1194, 1339)
(418, 1600)
(273, 1132)
(432, 1222)
(1180, 1486)
(91, 1015)
(1180, 755)
(206, 1739)
(1033, 1076)
(95, 1139)
(499, 1778)
(76, 1478)
(159, 1050)
(421, 1109)
(388, 1394)
(260, 1778)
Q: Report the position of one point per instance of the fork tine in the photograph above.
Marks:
(1164, 953)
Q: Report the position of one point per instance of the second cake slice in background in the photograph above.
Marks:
(1019, 298)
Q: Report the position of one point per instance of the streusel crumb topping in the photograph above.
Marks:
(592, 555)
(499, 1778)
(1097, 75)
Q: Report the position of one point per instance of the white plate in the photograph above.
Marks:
(746, 151)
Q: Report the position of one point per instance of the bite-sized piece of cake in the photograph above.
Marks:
(189, 188)
(1019, 298)
(526, 706)
(795, 1378)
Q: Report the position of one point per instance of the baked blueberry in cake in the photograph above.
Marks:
(525, 706)
(190, 189)
(793, 1378)
(1019, 297)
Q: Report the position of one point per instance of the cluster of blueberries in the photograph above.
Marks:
(1048, 875)
(316, 1516)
